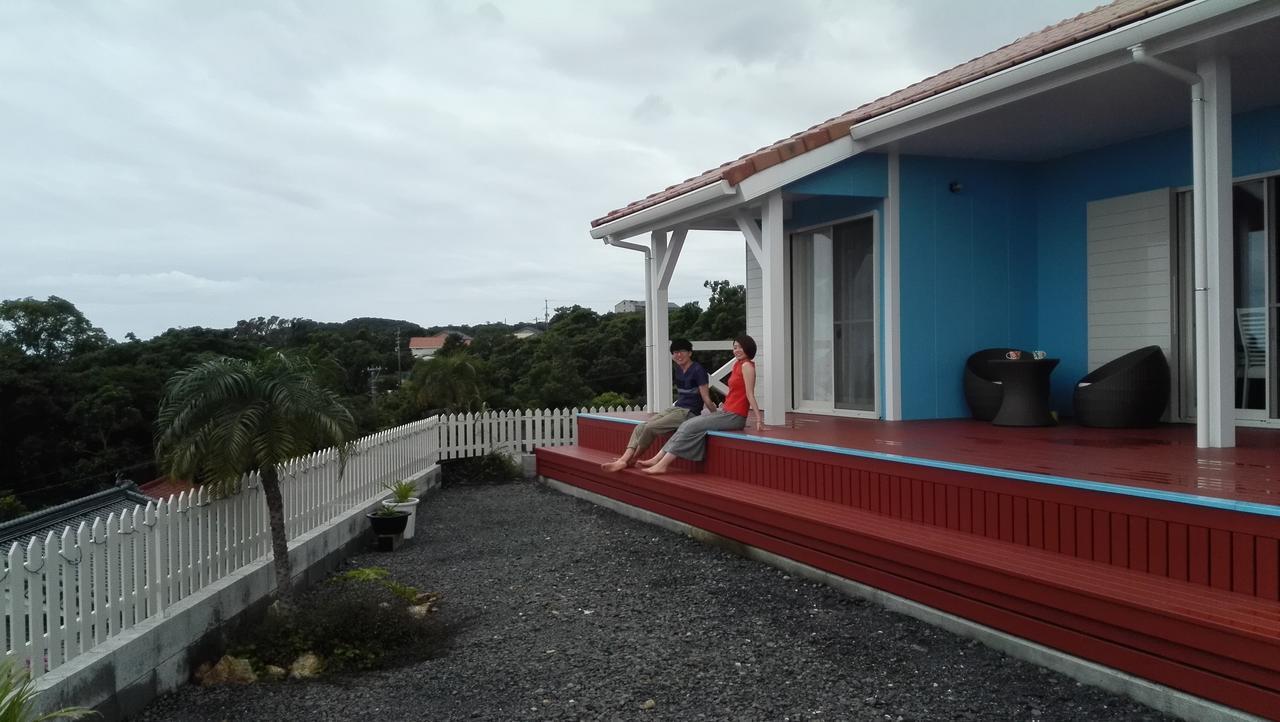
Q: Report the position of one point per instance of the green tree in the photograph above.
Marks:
(450, 382)
(726, 314)
(224, 418)
(53, 329)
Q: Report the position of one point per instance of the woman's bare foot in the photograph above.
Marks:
(646, 463)
(660, 467)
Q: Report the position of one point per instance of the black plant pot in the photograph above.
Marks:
(389, 525)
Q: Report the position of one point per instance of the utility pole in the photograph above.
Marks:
(546, 312)
(399, 371)
(373, 372)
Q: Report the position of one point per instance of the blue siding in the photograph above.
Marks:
(1002, 262)
(861, 175)
(968, 278)
(1064, 187)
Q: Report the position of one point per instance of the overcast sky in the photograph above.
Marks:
(194, 163)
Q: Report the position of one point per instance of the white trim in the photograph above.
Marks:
(1219, 245)
(660, 355)
(833, 222)
(649, 218)
(1075, 62)
(671, 258)
(775, 306)
(750, 231)
(774, 177)
(892, 311)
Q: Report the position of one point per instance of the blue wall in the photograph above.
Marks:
(968, 262)
(1002, 261)
(1064, 187)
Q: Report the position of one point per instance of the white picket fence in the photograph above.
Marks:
(466, 435)
(68, 593)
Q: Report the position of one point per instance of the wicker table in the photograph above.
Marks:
(1025, 385)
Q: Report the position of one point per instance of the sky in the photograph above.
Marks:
(185, 163)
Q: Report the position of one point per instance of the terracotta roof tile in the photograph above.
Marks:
(428, 342)
(1055, 37)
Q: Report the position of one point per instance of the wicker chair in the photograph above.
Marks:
(1130, 391)
(981, 390)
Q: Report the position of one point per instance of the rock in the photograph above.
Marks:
(648, 704)
(276, 673)
(426, 598)
(306, 666)
(228, 670)
(421, 610)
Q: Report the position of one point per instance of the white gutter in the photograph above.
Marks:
(1081, 60)
(642, 220)
(1200, 241)
(648, 311)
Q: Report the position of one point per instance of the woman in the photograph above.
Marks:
(690, 440)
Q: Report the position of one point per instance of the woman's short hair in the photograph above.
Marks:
(748, 345)
(681, 344)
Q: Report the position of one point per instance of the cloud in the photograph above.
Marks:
(195, 163)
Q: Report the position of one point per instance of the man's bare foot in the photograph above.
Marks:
(615, 465)
(656, 469)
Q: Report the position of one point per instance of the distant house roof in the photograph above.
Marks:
(1029, 47)
(428, 342)
(56, 518)
(165, 487)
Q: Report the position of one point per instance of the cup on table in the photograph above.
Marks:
(1013, 355)
(1038, 355)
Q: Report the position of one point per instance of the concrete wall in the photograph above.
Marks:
(121, 676)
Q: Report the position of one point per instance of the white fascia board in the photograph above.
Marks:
(789, 171)
(667, 213)
(1081, 60)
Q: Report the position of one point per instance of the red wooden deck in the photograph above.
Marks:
(1131, 548)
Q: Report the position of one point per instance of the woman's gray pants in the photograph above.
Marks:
(690, 440)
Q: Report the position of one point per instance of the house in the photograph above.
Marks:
(1045, 195)
(629, 306)
(526, 332)
(1106, 184)
(87, 509)
(424, 347)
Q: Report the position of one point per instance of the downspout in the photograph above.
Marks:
(1199, 197)
(648, 310)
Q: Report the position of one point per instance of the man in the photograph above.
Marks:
(692, 396)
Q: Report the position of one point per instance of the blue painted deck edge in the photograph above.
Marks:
(1247, 507)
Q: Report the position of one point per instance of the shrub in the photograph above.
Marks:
(387, 633)
(609, 399)
(18, 694)
(494, 467)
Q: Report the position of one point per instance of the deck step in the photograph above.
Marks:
(1219, 644)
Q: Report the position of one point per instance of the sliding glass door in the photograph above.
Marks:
(834, 311)
(1254, 316)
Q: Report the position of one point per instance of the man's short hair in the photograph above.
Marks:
(681, 344)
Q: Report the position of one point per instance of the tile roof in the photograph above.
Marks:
(428, 342)
(164, 487)
(1086, 25)
(37, 525)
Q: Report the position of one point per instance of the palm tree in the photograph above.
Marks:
(224, 418)
(451, 382)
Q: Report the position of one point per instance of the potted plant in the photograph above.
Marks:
(402, 498)
(388, 521)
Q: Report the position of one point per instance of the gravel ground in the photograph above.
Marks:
(564, 610)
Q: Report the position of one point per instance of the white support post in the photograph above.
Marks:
(773, 345)
(650, 394)
(1219, 252)
(892, 356)
(659, 357)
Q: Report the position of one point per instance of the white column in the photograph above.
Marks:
(1219, 252)
(891, 372)
(650, 396)
(656, 308)
(773, 345)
